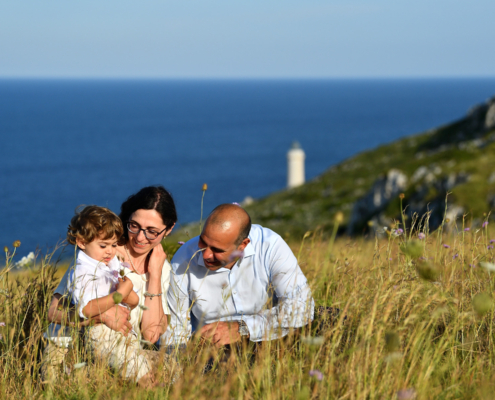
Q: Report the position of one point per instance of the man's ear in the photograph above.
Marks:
(80, 243)
(243, 244)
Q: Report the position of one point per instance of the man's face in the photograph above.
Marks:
(219, 244)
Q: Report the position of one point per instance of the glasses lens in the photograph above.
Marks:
(133, 227)
(151, 234)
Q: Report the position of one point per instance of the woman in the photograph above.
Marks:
(148, 217)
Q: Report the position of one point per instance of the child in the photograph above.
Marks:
(95, 287)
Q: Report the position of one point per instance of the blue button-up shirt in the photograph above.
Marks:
(265, 288)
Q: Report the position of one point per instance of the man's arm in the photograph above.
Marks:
(295, 306)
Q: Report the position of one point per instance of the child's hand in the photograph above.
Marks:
(125, 286)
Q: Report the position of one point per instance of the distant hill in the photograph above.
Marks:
(457, 158)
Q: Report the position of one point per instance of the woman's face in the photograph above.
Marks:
(151, 221)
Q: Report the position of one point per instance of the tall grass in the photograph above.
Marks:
(397, 336)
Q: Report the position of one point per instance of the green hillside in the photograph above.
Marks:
(457, 158)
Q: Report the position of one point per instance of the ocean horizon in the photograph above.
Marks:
(67, 142)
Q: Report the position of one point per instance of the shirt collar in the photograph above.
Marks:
(85, 259)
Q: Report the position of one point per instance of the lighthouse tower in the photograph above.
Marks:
(295, 166)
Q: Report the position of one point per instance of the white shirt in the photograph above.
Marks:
(268, 270)
(92, 279)
(140, 283)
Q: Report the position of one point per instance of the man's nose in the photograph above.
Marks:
(207, 253)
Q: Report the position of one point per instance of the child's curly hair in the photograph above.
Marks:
(94, 222)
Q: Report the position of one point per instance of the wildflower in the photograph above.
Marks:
(17, 243)
(455, 256)
(467, 229)
(484, 224)
(489, 247)
(125, 264)
(115, 273)
(488, 266)
(398, 232)
(144, 308)
(482, 303)
(313, 340)
(181, 243)
(6, 249)
(236, 254)
(205, 187)
(492, 241)
(316, 374)
(406, 394)
(25, 261)
(2, 323)
(339, 217)
(472, 265)
(236, 204)
(79, 365)
(446, 246)
(421, 235)
(117, 297)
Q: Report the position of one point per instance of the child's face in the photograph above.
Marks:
(99, 249)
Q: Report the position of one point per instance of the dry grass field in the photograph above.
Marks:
(416, 321)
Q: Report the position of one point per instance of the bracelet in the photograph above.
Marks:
(151, 295)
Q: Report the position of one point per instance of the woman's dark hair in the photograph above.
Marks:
(149, 198)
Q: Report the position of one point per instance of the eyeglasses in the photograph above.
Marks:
(135, 228)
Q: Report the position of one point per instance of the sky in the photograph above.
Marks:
(246, 38)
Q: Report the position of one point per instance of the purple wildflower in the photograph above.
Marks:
(2, 323)
(446, 246)
(467, 229)
(316, 374)
(181, 243)
(236, 204)
(492, 241)
(406, 394)
(125, 264)
(472, 265)
(489, 247)
(236, 254)
(455, 256)
(421, 235)
(115, 273)
(484, 224)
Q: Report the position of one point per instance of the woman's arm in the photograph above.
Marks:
(154, 320)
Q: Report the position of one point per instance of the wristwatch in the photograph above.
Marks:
(243, 329)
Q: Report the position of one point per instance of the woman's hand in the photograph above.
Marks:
(156, 261)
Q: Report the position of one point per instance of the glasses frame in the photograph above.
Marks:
(144, 230)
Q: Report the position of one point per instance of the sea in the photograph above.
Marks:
(65, 143)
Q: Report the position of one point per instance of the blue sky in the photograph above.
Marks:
(246, 39)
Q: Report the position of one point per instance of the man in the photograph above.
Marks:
(236, 280)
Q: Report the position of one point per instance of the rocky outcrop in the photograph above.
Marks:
(376, 200)
(490, 115)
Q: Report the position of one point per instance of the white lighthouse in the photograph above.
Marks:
(295, 165)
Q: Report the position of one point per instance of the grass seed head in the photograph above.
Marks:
(392, 341)
(6, 249)
(427, 271)
(482, 303)
(117, 297)
(413, 248)
(17, 243)
(205, 187)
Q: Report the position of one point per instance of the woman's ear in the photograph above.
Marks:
(80, 243)
(167, 232)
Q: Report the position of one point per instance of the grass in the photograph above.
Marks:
(401, 331)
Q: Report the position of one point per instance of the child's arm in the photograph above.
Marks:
(99, 306)
(132, 300)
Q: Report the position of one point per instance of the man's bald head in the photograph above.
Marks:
(225, 215)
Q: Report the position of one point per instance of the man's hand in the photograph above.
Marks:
(221, 333)
(117, 319)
